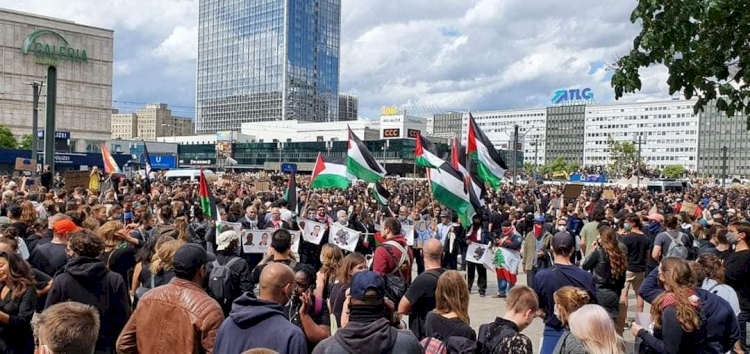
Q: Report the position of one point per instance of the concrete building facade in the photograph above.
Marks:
(150, 122)
(348, 107)
(717, 132)
(296, 131)
(565, 133)
(668, 131)
(499, 128)
(29, 45)
(124, 126)
(446, 125)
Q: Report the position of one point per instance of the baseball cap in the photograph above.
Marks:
(563, 239)
(656, 217)
(225, 239)
(64, 227)
(190, 257)
(4, 220)
(540, 219)
(364, 281)
(445, 214)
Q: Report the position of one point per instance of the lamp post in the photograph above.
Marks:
(638, 163)
(385, 149)
(724, 166)
(36, 87)
(516, 139)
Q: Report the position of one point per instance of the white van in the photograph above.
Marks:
(189, 175)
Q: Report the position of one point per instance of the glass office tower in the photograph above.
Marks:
(266, 60)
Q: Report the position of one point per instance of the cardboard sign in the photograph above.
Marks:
(689, 208)
(75, 179)
(23, 164)
(262, 175)
(608, 194)
(572, 191)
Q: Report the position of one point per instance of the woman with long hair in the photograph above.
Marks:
(17, 304)
(144, 256)
(162, 269)
(451, 315)
(181, 224)
(608, 263)
(28, 214)
(119, 250)
(330, 258)
(592, 328)
(675, 312)
(351, 264)
(42, 282)
(568, 299)
(709, 275)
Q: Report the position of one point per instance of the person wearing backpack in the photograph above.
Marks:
(671, 242)
(419, 299)
(447, 327)
(230, 274)
(200, 230)
(393, 260)
(504, 334)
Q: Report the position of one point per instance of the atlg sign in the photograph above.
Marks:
(573, 96)
(53, 48)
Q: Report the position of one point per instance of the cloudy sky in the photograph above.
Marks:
(434, 55)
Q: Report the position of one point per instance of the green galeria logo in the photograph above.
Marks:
(48, 53)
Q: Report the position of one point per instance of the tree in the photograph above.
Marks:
(7, 140)
(26, 141)
(704, 45)
(528, 167)
(623, 156)
(673, 171)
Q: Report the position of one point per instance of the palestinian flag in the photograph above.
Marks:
(380, 194)
(329, 173)
(490, 166)
(208, 204)
(291, 194)
(449, 189)
(425, 154)
(360, 163)
(467, 168)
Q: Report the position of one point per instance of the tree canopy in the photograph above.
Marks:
(26, 141)
(623, 156)
(7, 140)
(673, 171)
(704, 45)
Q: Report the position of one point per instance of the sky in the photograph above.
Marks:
(430, 55)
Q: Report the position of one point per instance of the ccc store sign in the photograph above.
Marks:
(391, 133)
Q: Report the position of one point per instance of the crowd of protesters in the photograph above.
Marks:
(113, 268)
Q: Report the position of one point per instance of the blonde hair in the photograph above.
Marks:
(569, 299)
(332, 257)
(162, 261)
(452, 295)
(181, 224)
(107, 233)
(592, 325)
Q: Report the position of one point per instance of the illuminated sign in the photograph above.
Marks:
(389, 111)
(48, 53)
(573, 96)
(412, 133)
(391, 133)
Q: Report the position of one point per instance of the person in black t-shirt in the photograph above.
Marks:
(309, 313)
(450, 317)
(737, 273)
(419, 299)
(51, 257)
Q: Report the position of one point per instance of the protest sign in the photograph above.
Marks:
(343, 237)
(314, 231)
(408, 232)
(256, 241)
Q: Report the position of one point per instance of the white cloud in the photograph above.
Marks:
(479, 54)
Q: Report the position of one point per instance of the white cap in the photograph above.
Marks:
(225, 239)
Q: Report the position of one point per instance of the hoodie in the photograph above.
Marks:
(370, 338)
(254, 323)
(718, 333)
(88, 281)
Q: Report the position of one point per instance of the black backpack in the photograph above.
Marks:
(220, 281)
(395, 284)
(486, 345)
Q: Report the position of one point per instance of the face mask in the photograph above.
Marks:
(732, 238)
(627, 227)
(561, 228)
(556, 311)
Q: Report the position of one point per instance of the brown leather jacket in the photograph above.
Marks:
(175, 318)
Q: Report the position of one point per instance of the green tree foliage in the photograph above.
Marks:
(673, 171)
(558, 165)
(704, 45)
(623, 156)
(26, 141)
(7, 140)
(528, 167)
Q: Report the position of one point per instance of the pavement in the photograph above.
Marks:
(484, 310)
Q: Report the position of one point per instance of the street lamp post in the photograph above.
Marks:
(724, 166)
(638, 163)
(36, 87)
(385, 149)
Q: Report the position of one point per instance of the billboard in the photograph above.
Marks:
(160, 162)
(573, 96)
(412, 133)
(391, 133)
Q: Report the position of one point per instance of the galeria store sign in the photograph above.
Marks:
(47, 52)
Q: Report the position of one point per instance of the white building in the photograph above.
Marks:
(499, 128)
(668, 131)
(296, 131)
(207, 138)
(402, 126)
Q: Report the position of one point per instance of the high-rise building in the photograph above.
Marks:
(348, 107)
(668, 132)
(150, 122)
(267, 60)
(565, 133)
(29, 45)
(446, 125)
(124, 126)
(717, 132)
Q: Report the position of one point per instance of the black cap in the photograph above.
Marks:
(189, 258)
(563, 239)
(506, 223)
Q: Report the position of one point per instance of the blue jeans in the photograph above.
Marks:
(744, 320)
(549, 339)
